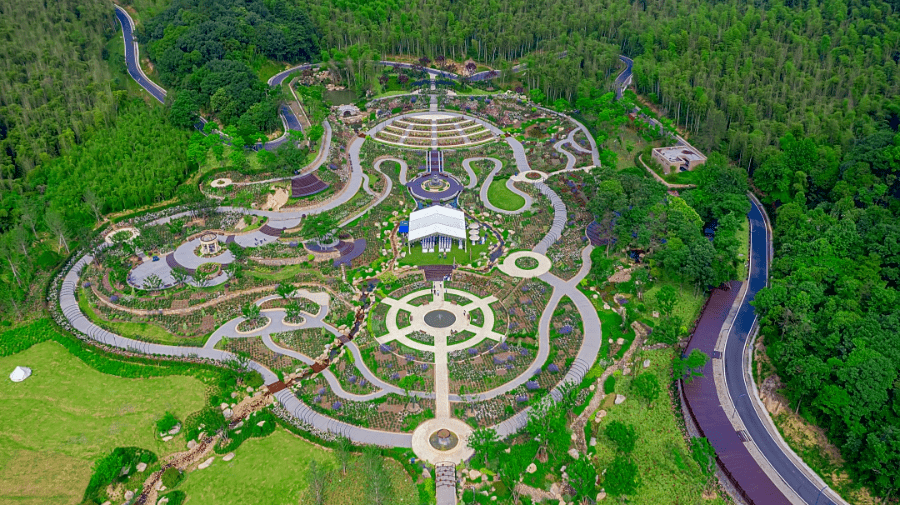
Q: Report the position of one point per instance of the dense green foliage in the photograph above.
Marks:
(109, 468)
(830, 317)
(208, 50)
(735, 74)
(55, 88)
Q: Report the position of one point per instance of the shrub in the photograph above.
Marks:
(623, 435)
(171, 477)
(609, 386)
(107, 469)
(176, 497)
(253, 379)
(166, 423)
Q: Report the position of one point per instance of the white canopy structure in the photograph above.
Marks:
(436, 227)
(437, 220)
(20, 373)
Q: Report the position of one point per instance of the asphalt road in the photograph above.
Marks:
(624, 77)
(132, 57)
(734, 368)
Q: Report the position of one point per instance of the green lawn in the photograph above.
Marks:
(502, 197)
(56, 423)
(667, 472)
(688, 305)
(416, 257)
(272, 470)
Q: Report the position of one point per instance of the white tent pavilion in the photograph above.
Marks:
(436, 227)
(20, 373)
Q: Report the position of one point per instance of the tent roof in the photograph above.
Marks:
(437, 220)
(19, 374)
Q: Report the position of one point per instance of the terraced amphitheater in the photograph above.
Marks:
(435, 130)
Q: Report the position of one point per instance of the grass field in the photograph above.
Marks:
(667, 472)
(417, 257)
(272, 470)
(54, 425)
(502, 197)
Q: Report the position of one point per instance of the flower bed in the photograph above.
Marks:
(249, 325)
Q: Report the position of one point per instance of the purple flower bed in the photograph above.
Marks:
(351, 379)
(473, 351)
(395, 376)
(383, 348)
(336, 405)
(321, 391)
(552, 368)
(504, 346)
(317, 399)
(532, 385)
(521, 398)
(565, 330)
(424, 367)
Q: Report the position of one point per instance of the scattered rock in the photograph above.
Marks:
(620, 341)
(592, 387)
(234, 394)
(162, 501)
(141, 467)
(474, 474)
(249, 389)
(554, 489)
(531, 468)
(176, 430)
(646, 363)
(261, 423)
(573, 453)
(167, 438)
(223, 406)
(228, 413)
(606, 306)
(107, 502)
(656, 314)
(201, 435)
(238, 425)
(574, 438)
(205, 464)
(620, 399)
(228, 457)
(507, 450)
(627, 371)
(426, 473)
(593, 442)
(493, 498)
(129, 495)
(192, 444)
(601, 495)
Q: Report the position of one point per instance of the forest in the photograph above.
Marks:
(210, 50)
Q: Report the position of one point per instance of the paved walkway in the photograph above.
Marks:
(483, 194)
(509, 267)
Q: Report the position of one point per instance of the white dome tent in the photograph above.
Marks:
(20, 373)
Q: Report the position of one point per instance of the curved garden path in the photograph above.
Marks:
(509, 185)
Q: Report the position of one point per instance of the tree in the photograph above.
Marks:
(621, 476)
(94, 203)
(292, 310)
(152, 282)
(201, 277)
(8, 251)
(647, 386)
(378, 488)
(482, 441)
(342, 449)
(250, 311)
(690, 366)
(57, 226)
(316, 482)
(666, 298)
(29, 214)
(180, 275)
(623, 435)
(285, 290)
(583, 478)
(705, 456)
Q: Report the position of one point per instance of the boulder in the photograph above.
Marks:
(192, 444)
(239, 425)
(167, 438)
(228, 457)
(176, 430)
(129, 495)
(620, 399)
(206, 464)
(474, 474)
(234, 394)
(620, 341)
(573, 453)
(531, 468)
(493, 498)
(141, 467)
(601, 495)
(646, 363)
(593, 442)
(627, 371)
(228, 413)
(593, 387)
(249, 389)
(223, 406)
(261, 423)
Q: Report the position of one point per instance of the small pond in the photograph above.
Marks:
(342, 97)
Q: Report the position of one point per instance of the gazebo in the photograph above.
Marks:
(209, 244)
(436, 227)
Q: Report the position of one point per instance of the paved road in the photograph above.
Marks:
(735, 367)
(624, 78)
